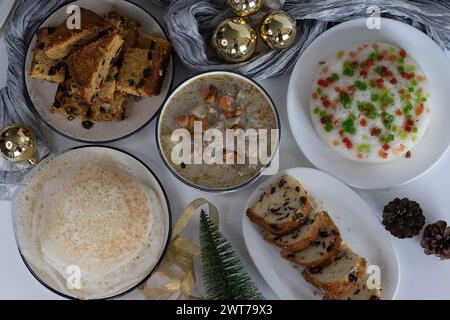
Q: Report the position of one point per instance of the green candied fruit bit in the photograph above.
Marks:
(335, 76)
(387, 119)
(387, 138)
(363, 147)
(348, 72)
(373, 55)
(345, 99)
(401, 69)
(361, 85)
(349, 126)
(410, 68)
(340, 54)
(378, 70)
(372, 83)
(346, 65)
(413, 83)
(424, 99)
(319, 91)
(414, 130)
(316, 110)
(407, 108)
(391, 50)
(400, 60)
(375, 97)
(411, 89)
(402, 135)
(328, 126)
(386, 99)
(365, 137)
(415, 138)
(323, 114)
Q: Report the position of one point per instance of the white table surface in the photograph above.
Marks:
(422, 277)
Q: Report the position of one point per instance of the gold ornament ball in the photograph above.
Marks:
(18, 144)
(245, 7)
(278, 29)
(234, 40)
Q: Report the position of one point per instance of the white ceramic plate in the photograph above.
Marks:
(358, 225)
(139, 113)
(430, 149)
(141, 173)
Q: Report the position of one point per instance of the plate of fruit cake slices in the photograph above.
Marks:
(372, 103)
(312, 237)
(102, 79)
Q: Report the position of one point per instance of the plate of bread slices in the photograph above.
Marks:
(98, 71)
(312, 237)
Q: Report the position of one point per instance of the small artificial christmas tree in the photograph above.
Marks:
(224, 275)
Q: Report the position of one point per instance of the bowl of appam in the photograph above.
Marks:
(91, 222)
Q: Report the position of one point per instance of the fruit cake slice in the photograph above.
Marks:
(322, 250)
(42, 67)
(89, 67)
(282, 207)
(362, 292)
(68, 103)
(339, 277)
(127, 28)
(301, 237)
(65, 41)
(143, 69)
(113, 111)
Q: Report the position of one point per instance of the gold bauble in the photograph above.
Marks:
(234, 40)
(245, 7)
(278, 29)
(18, 144)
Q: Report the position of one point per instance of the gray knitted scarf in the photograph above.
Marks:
(189, 24)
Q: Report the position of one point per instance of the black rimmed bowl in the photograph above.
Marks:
(142, 173)
(170, 108)
(41, 94)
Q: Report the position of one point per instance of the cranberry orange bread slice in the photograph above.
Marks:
(65, 41)
(301, 237)
(322, 250)
(89, 67)
(42, 67)
(282, 207)
(341, 276)
(362, 292)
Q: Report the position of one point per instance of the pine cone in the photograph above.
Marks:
(403, 218)
(436, 240)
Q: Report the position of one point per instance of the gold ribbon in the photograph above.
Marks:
(177, 266)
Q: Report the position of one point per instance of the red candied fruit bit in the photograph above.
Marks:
(402, 53)
(398, 112)
(354, 64)
(341, 133)
(393, 81)
(326, 103)
(348, 143)
(322, 83)
(374, 132)
(337, 89)
(363, 73)
(315, 95)
(408, 154)
(379, 82)
(386, 146)
(363, 122)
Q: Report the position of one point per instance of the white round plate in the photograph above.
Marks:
(430, 149)
(139, 113)
(141, 173)
(357, 223)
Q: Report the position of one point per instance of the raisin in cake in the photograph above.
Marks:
(301, 237)
(282, 207)
(362, 292)
(69, 104)
(65, 41)
(322, 249)
(143, 69)
(89, 67)
(42, 67)
(341, 276)
(112, 111)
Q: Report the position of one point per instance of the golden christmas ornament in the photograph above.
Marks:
(278, 29)
(234, 40)
(18, 144)
(245, 7)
